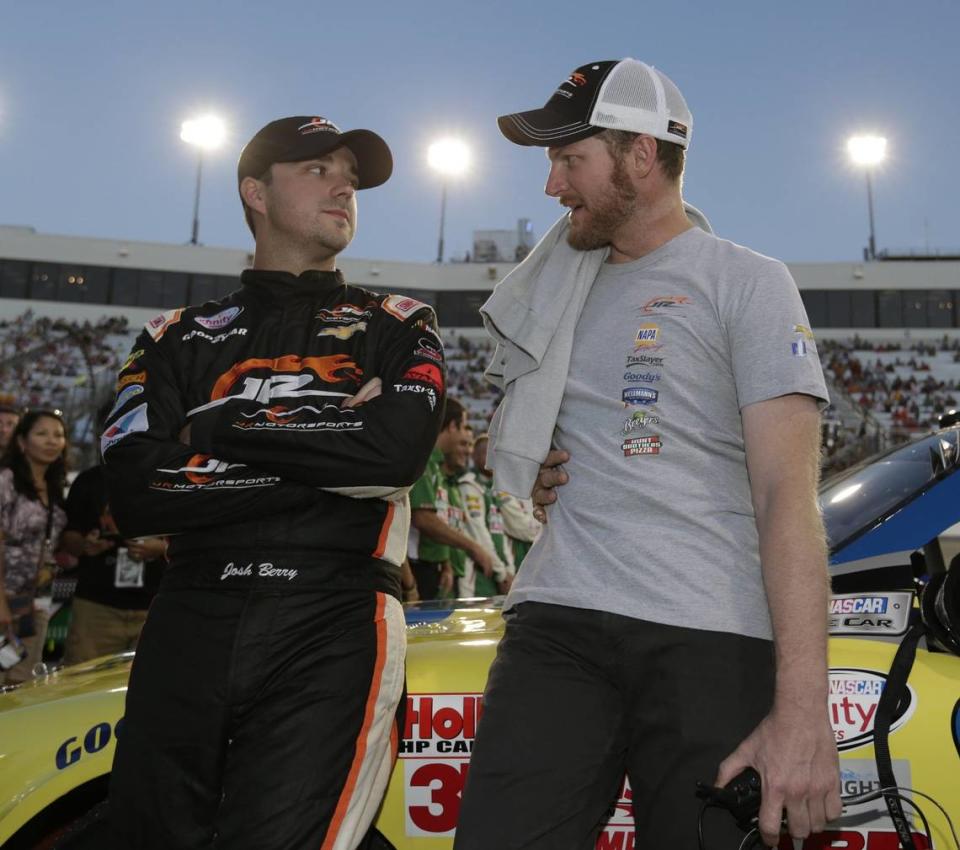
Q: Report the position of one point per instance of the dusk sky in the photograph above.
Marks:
(92, 96)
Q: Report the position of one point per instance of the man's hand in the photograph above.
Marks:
(551, 476)
(482, 559)
(94, 544)
(370, 390)
(796, 756)
(146, 548)
(505, 584)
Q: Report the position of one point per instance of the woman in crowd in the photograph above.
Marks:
(32, 516)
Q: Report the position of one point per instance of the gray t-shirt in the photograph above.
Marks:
(656, 521)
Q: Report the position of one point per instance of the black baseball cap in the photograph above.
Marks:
(303, 137)
(616, 94)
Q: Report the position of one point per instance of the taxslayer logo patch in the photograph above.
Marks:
(428, 374)
(665, 304)
(401, 307)
(853, 698)
(158, 325)
(220, 320)
(134, 421)
(289, 376)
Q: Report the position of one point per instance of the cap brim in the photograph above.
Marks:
(544, 128)
(374, 160)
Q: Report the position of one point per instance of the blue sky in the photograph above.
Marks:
(92, 95)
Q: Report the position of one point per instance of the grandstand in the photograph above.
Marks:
(889, 330)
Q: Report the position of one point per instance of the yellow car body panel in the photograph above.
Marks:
(60, 732)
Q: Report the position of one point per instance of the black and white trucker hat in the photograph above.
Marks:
(618, 95)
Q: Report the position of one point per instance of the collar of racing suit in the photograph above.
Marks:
(279, 284)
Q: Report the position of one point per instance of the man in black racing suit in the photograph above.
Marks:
(273, 435)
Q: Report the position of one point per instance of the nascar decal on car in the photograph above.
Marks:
(665, 304)
(132, 357)
(218, 321)
(853, 697)
(196, 334)
(124, 396)
(302, 418)
(437, 741)
(648, 337)
(874, 613)
(158, 325)
(640, 395)
(428, 373)
(635, 446)
(401, 307)
(130, 423)
(133, 378)
(289, 376)
(638, 421)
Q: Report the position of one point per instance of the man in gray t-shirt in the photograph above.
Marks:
(670, 622)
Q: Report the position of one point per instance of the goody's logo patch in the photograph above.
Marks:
(648, 337)
(130, 423)
(665, 304)
(220, 320)
(641, 377)
(853, 698)
(158, 325)
(124, 396)
(640, 395)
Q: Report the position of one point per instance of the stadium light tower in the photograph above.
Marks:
(205, 133)
(868, 152)
(450, 158)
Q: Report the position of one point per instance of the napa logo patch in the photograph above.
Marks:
(648, 337)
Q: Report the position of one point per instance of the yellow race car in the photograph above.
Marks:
(889, 524)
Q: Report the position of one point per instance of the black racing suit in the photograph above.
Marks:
(263, 693)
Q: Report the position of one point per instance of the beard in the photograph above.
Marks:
(607, 213)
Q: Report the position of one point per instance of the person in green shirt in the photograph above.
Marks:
(433, 538)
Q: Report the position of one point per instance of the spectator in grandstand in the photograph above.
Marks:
(32, 517)
(482, 522)
(685, 552)
(274, 436)
(431, 534)
(9, 417)
(116, 578)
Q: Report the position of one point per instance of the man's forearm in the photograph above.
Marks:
(428, 523)
(793, 555)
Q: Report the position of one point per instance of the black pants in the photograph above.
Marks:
(427, 574)
(258, 719)
(577, 698)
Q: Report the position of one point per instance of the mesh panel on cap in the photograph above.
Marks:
(676, 105)
(630, 85)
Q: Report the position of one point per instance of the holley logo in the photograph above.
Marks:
(853, 698)
(664, 303)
